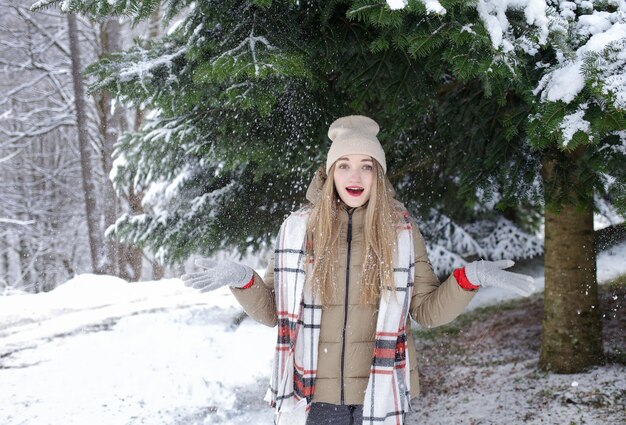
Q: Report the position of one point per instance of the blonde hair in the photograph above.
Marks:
(323, 229)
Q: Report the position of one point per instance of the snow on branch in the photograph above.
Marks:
(207, 201)
(606, 214)
(507, 241)
(41, 128)
(144, 68)
(247, 45)
(160, 193)
(447, 234)
(493, 15)
(432, 6)
(9, 156)
(101, 9)
(573, 123)
(442, 260)
(397, 4)
(450, 246)
(448, 243)
(567, 79)
(165, 139)
(612, 73)
(240, 50)
(16, 222)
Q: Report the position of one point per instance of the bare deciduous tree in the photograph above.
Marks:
(85, 153)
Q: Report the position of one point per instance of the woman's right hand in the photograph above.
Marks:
(216, 274)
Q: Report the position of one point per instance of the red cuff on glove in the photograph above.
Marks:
(249, 284)
(459, 275)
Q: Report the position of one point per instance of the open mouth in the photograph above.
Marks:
(354, 190)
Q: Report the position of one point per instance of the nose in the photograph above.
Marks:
(355, 175)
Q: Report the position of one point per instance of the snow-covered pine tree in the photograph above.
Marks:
(557, 70)
(241, 95)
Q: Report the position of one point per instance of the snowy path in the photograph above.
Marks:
(120, 353)
(98, 350)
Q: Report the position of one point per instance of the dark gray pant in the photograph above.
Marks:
(333, 414)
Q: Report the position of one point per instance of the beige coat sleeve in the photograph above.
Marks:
(258, 300)
(434, 304)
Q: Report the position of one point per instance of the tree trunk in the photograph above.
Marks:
(155, 23)
(25, 267)
(158, 271)
(85, 156)
(4, 260)
(572, 331)
(109, 122)
(134, 255)
(24, 180)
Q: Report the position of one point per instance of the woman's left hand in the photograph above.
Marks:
(492, 273)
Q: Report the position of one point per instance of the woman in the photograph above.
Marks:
(348, 272)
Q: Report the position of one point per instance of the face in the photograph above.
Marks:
(353, 177)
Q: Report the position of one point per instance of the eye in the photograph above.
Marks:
(343, 166)
(368, 167)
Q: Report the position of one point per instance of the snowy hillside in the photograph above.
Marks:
(99, 350)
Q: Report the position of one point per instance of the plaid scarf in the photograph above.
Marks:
(292, 382)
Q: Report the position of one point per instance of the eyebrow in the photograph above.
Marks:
(343, 158)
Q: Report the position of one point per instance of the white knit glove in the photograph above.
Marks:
(217, 274)
(491, 273)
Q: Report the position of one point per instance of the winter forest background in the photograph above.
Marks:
(137, 135)
(202, 127)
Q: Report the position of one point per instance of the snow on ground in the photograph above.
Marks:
(99, 350)
(483, 370)
(515, 393)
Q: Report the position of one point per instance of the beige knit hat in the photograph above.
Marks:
(354, 134)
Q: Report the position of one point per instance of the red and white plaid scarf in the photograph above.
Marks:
(299, 317)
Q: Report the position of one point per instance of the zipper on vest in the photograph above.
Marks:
(345, 307)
